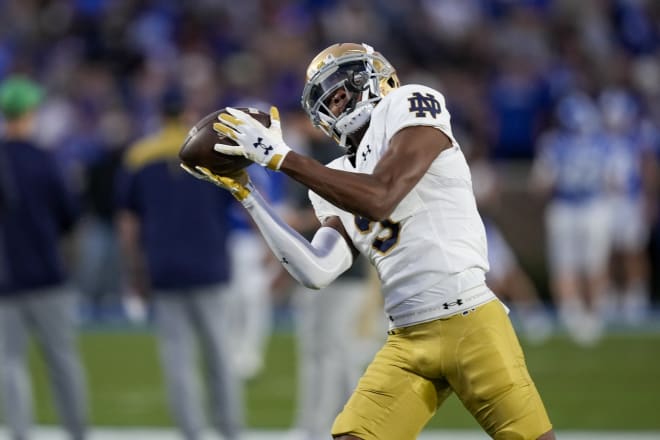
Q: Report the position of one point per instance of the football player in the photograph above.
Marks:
(401, 196)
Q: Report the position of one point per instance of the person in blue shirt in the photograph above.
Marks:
(632, 201)
(173, 234)
(36, 212)
(574, 168)
(506, 276)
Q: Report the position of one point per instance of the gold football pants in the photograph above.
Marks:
(474, 354)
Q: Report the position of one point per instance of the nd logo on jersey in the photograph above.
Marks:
(421, 104)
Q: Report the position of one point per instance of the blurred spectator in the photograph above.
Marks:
(506, 276)
(36, 211)
(573, 168)
(332, 349)
(98, 272)
(518, 95)
(180, 227)
(251, 279)
(631, 201)
(652, 133)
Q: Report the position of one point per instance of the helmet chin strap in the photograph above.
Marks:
(353, 121)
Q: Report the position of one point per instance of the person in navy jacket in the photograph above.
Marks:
(36, 211)
(173, 232)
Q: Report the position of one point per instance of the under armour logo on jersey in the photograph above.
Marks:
(422, 104)
(284, 260)
(458, 302)
(259, 144)
(365, 153)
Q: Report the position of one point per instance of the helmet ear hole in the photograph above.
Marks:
(358, 81)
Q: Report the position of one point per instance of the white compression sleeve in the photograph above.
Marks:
(315, 264)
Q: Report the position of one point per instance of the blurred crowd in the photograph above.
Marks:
(502, 64)
(570, 90)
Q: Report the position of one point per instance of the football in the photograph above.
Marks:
(197, 149)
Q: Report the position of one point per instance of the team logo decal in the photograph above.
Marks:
(259, 144)
(423, 104)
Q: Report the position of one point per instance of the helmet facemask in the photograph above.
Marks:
(365, 76)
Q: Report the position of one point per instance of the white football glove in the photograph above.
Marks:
(261, 145)
(237, 184)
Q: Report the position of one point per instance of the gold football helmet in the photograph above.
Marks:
(365, 74)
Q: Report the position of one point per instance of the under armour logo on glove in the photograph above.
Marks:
(268, 147)
(260, 144)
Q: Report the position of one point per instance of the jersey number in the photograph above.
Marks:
(387, 239)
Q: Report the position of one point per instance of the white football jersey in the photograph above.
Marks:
(431, 253)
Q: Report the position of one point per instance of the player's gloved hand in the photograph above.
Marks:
(261, 145)
(238, 184)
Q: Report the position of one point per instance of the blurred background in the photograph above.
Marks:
(522, 80)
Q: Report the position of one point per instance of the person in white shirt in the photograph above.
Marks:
(573, 172)
(631, 204)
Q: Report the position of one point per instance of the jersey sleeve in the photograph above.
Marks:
(412, 105)
(322, 208)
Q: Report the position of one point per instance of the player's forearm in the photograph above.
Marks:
(315, 264)
(361, 194)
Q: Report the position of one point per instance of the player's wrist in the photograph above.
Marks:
(250, 197)
(243, 192)
(280, 153)
(239, 190)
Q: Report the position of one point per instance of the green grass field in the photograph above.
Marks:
(614, 386)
